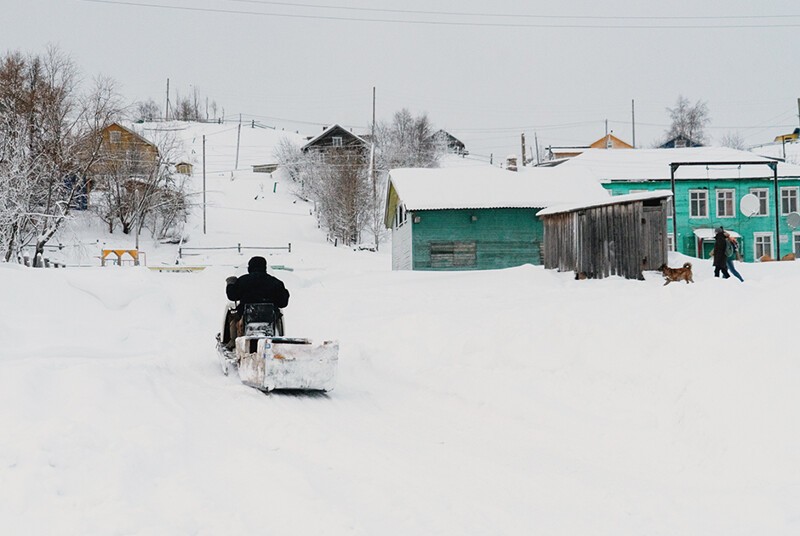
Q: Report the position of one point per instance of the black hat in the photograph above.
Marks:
(257, 264)
(719, 230)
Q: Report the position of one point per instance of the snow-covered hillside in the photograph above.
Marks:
(518, 401)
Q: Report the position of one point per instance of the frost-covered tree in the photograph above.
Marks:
(49, 137)
(136, 187)
(406, 141)
(733, 140)
(688, 120)
(147, 110)
(336, 181)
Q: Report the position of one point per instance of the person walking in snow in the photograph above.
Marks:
(257, 286)
(732, 253)
(720, 258)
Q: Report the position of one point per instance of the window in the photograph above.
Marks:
(453, 254)
(336, 141)
(726, 203)
(763, 200)
(400, 216)
(115, 136)
(670, 242)
(680, 143)
(796, 240)
(788, 200)
(698, 204)
(763, 244)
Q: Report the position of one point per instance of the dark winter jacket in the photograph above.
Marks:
(720, 247)
(258, 287)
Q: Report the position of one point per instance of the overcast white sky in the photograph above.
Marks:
(557, 70)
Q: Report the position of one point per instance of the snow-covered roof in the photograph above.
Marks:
(707, 233)
(490, 187)
(654, 164)
(330, 129)
(626, 198)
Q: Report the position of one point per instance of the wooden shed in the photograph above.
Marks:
(621, 236)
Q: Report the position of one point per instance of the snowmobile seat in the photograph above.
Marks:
(261, 319)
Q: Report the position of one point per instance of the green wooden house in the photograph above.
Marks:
(709, 184)
(474, 218)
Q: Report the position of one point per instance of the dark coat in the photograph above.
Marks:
(720, 246)
(258, 287)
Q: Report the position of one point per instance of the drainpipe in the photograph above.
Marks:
(774, 166)
(672, 168)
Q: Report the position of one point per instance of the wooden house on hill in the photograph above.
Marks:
(680, 142)
(451, 143)
(609, 141)
(119, 141)
(335, 137)
(122, 151)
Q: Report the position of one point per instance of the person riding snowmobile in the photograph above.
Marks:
(257, 286)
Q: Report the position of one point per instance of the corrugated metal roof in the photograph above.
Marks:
(491, 187)
(626, 198)
(654, 164)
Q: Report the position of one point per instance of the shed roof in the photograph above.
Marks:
(707, 233)
(654, 164)
(614, 200)
(490, 187)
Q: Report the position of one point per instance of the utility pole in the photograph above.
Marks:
(238, 137)
(372, 173)
(523, 149)
(536, 143)
(166, 107)
(633, 123)
(204, 184)
(372, 151)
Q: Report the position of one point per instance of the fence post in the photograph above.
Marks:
(46, 262)
(26, 260)
(290, 247)
(239, 248)
(180, 253)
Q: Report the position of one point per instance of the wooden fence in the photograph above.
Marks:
(188, 252)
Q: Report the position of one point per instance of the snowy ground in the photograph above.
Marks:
(510, 402)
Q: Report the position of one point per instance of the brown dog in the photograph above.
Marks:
(677, 274)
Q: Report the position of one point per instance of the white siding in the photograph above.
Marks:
(401, 246)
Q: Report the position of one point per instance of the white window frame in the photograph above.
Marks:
(758, 237)
(724, 192)
(337, 141)
(762, 199)
(705, 196)
(670, 242)
(792, 200)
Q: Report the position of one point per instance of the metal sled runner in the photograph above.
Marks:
(267, 360)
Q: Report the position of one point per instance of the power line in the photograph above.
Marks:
(451, 23)
(519, 15)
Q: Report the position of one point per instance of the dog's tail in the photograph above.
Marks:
(687, 265)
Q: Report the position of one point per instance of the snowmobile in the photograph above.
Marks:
(268, 360)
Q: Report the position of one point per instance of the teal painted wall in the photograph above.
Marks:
(747, 227)
(504, 237)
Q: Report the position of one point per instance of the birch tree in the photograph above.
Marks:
(688, 120)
